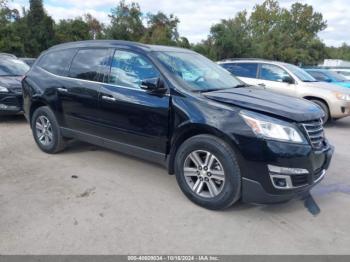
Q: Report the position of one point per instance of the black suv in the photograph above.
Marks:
(224, 141)
(12, 71)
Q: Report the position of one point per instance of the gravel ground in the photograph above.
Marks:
(89, 200)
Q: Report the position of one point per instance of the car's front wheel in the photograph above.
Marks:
(46, 131)
(207, 172)
(324, 108)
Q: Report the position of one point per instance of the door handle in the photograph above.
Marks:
(63, 90)
(109, 98)
(262, 84)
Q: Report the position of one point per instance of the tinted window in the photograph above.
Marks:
(318, 75)
(272, 73)
(344, 73)
(242, 69)
(89, 64)
(130, 69)
(57, 62)
(300, 73)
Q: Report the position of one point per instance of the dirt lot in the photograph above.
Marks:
(121, 205)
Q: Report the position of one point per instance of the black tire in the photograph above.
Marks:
(324, 108)
(57, 143)
(231, 189)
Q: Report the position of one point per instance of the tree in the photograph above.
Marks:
(95, 27)
(271, 32)
(162, 29)
(40, 35)
(68, 30)
(10, 27)
(126, 22)
(342, 52)
(231, 37)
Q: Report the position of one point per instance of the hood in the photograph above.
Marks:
(344, 84)
(325, 85)
(11, 82)
(295, 109)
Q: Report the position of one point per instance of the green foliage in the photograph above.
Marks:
(342, 52)
(161, 30)
(126, 22)
(72, 30)
(40, 29)
(270, 32)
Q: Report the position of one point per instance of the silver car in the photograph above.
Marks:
(291, 80)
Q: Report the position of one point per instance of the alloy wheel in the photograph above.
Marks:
(204, 173)
(44, 130)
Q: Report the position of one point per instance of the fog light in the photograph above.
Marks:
(280, 182)
(2, 106)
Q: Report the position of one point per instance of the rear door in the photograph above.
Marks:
(80, 93)
(247, 72)
(271, 77)
(130, 114)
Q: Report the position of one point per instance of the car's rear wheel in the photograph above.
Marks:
(207, 172)
(324, 108)
(46, 131)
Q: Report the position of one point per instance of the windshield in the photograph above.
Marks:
(196, 72)
(300, 73)
(12, 67)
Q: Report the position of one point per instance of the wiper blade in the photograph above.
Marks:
(241, 85)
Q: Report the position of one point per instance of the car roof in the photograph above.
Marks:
(316, 69)
(117, 43)
(8, 55)
(251, 60)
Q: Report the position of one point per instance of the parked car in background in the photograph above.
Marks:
(293, 81)
(342, 71)
(12, 71)
(224, 141)
(28, 61)
(324, 75)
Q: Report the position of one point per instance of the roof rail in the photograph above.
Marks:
(242, 58)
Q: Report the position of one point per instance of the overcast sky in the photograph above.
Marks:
(196, 16)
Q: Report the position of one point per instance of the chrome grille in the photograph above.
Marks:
(315, 133)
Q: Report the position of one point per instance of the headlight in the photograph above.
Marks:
(342, 96)
(3, 89)
(268, 129)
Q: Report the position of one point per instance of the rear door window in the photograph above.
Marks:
(242, 69)
(90, 64)
(318, 75)
(57, 62)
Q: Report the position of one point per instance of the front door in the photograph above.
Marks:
(130, 114)
(272, 78)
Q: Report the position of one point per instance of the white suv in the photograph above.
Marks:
(293, 81)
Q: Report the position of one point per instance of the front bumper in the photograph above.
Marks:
(257, 186)
(340, 109)
(11, 103)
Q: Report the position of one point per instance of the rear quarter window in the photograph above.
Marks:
(242, 69)
(57, 62)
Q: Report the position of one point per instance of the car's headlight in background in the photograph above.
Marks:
(342, 96)
(3, 89)
(271, 130)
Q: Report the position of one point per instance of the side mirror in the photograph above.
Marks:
(153, 85)
(288, 79)
(328, 80)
